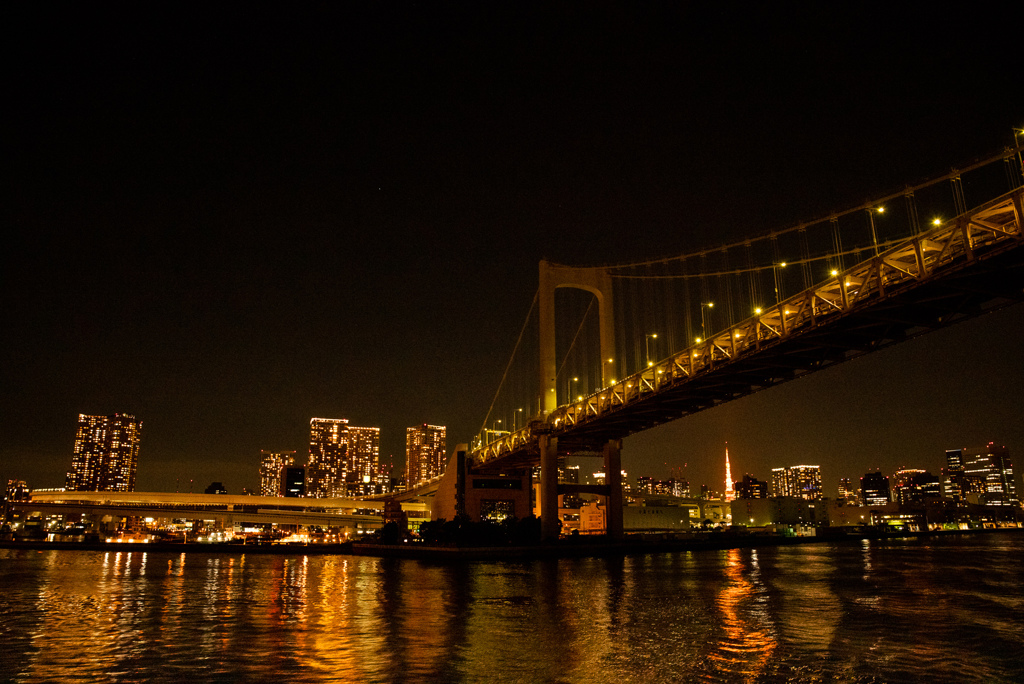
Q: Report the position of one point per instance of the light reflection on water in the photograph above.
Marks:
(749, 640)
(941, 610)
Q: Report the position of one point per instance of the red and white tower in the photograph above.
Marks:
(729, 493)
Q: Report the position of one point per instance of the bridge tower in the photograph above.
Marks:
(597, 281)
(594, 280)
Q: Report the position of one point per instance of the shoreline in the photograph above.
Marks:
(565, 548)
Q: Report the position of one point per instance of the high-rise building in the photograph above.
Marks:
(364, 457)
(271, 463)
(991, 466)
(328, 446)
(874, 488)
(914, 486)
(106, 454)
(425, 453)
(802, 482)
(956, 483)
(344, 460)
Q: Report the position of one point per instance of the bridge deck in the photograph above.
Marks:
(968, 266)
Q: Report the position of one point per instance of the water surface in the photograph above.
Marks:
(946, 610)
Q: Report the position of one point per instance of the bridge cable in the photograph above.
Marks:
(526, 323)
(805, 259)
(568, 352)
(953, 174)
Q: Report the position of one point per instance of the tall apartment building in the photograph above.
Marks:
(106, 454)
(344, 460)
(271, 465)
(802, 482)
(425, 453)
(364, 452)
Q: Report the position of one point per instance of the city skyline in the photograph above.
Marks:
(342, 215)
(332, 463)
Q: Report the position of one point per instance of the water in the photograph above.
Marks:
(946, 610)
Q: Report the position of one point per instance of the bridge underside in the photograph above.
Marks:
(895, 318)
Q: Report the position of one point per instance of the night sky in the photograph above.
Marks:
(227, 221)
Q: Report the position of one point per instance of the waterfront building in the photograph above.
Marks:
(425, 453)
(106, 454)
(992, 468)
(801, 481)
(344, 460)
(874, 489)
(271, 464)
(776, 510)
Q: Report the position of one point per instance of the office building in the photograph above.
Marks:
(293, 481)
(847, 494)
(802, 482)
(425, 453)
(874, 489)
(991, 467)
(271, 464)
(914, 486)
(751, 488)
(106, 454)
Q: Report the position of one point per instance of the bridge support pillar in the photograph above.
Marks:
(549, 523)
(613, 479)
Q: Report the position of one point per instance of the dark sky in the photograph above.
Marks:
(227, 221)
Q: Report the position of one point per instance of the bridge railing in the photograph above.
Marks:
(933, 252)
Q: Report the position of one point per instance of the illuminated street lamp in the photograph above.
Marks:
(775, 272)
(871, 217)
(568, 390)
(703, 322)
(647, 345)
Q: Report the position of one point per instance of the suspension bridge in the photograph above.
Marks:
(610, 351)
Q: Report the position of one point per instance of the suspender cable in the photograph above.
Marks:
(504, 376)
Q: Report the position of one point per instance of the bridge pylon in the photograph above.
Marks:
(595, 280)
